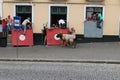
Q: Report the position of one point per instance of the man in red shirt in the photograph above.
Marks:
(4, 28)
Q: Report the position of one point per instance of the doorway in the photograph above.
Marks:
(56, 13)
(90, 27)
(24, 11)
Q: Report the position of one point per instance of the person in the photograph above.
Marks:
(100, 20)
(9, 22)
(44, 35)
(24, 25)
(93, 16)
(62, 23)
(88, 19)
(71, 31)
(4, 28)
(53, 26)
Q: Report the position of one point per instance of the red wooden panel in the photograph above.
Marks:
(51, 36)
(22, 40)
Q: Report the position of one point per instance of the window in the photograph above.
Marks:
(93, 9)
(23, 9)
(58, 10)
(90, 10)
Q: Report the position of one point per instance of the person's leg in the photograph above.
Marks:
(98, 24)
(24, 26)
(101, 22)
(4, 32)
(64, 25)
(9, 26)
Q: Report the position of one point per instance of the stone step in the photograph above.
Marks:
(9, 38)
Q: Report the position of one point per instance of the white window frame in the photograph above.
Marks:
(58, 5)
(93, 6)
(25, 4)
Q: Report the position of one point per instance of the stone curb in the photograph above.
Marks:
(64, 61)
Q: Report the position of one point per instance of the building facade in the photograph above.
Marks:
(75, 12)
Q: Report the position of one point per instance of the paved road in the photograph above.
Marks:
(58, 71)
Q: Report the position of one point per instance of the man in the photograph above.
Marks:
(4, 28)
(24, 24)
(62, 23)
(100, 19)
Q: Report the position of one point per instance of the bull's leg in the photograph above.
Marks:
(63, 42)
(74, 44)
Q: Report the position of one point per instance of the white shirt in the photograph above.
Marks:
(25, 22)
(61, 21)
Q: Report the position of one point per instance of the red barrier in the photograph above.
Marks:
(18, 39)
(51, 36)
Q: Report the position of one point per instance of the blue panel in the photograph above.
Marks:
(17, 21)
(91, 30)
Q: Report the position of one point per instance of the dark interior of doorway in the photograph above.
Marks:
(56, 17)
(24, 16)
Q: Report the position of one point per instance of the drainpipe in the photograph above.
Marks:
(119, 26)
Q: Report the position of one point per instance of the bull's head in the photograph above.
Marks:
(59, 35)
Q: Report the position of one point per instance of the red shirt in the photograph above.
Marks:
(4, 24)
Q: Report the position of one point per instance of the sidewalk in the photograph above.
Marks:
(85, 52)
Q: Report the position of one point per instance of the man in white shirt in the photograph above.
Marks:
(62, 23)
(24, 23)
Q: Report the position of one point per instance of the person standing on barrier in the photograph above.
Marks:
(99, 20)
(24, 25)
(93, 17)
(9, 22)
(62, 23)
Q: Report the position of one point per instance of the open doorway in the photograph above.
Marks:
(24, 11)
(56, 13)
(90, 26)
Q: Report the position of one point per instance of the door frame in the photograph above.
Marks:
(119, 26)
(65, 5)
(25, 4)
(93, 6)
(103, 10)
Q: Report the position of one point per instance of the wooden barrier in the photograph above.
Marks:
(51, 36)
(18, 39)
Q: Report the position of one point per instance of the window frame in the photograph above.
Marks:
(85, 7)
(25, 4)
(60, 5)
